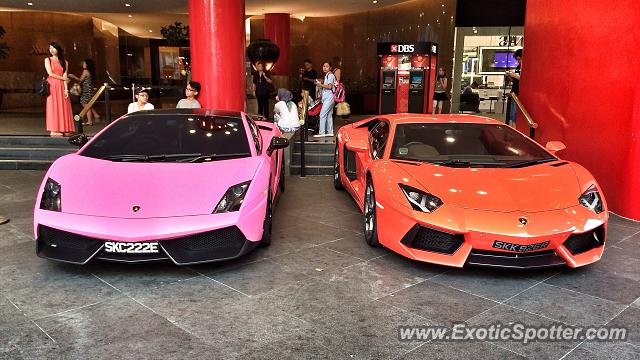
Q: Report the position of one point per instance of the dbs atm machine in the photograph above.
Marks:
(407, 76)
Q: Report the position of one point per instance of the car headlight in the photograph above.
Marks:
(51, 196)
(592, 200)
(232, 199)
(420, 200)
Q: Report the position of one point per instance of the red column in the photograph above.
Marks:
(277, 29)
(217, 36)
(579, 84)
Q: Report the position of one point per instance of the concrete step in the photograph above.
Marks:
(28, 141)
(8, 164)
(313, 158)
(313, 170)
(315, 146)
(34, 152)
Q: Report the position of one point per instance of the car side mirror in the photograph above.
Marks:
(277, 143)
(78, 140)
(357, 145)
(555, 146)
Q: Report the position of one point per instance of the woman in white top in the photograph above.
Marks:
(142, 104)
(285, 112)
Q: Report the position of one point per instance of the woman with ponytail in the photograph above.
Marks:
(59, 118)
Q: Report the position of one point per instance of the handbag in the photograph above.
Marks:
(43, 88)
(75, 90)
(343, 109)
(314, 108)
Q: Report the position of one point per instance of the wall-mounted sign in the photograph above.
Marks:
(398, 48)
(516, 40)
(37, 50)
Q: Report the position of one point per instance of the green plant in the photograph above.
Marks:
(176, 33)
(4, 48)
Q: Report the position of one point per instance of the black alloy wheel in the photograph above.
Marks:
(281, 184)
(268, 220)
(370, 217)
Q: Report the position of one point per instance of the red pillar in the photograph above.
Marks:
(217, 36)
(579, 84)
(277, 29)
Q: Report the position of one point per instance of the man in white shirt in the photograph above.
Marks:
(143, 102)
(191, 91)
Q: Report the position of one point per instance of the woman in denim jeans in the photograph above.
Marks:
(326, 114)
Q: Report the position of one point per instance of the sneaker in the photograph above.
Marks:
(318, 135)
(329, 135)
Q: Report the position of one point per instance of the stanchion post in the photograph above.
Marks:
(303, 130)
(107, 104)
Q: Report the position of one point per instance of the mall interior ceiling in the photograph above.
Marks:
(148, 13)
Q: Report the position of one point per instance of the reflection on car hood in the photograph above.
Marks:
(533, 188)
(106, 188)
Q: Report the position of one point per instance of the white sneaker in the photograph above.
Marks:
(318, 135)
(329, 135)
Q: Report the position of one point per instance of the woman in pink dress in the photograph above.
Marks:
(59, 116)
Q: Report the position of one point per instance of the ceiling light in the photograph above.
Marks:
(30, 3)
(375, 1)
(130, 15)
(150, 30)
(127, 5)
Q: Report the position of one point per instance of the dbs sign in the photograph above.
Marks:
(396, 48)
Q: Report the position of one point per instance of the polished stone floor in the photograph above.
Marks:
(318, 292)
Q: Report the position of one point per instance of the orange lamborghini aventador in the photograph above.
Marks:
(463, 189)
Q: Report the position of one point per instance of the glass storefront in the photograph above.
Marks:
(482, 56)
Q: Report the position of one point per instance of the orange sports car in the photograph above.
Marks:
(463, 189)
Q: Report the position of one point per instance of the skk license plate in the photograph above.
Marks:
(519, 248)
(131, 248)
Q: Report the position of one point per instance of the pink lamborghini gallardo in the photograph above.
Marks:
(189, 186)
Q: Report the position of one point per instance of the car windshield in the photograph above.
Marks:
(466, 145)
(171, 138)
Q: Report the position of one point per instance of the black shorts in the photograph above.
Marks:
(440, 96)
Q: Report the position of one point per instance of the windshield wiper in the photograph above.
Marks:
(457, 163)
(134, 157)
(201, 158)
(528, 163)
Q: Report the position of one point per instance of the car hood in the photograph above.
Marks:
(531, 189)
(111, 189)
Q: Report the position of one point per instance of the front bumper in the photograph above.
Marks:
(185, 240)
(215, 245)
(457, 237)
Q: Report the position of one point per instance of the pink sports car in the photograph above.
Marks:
(190, 186)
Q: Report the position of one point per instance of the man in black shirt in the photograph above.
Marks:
(262, 85)
(308, 77)
(515, 86)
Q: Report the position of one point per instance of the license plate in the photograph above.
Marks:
(131, 248)
(519, 248)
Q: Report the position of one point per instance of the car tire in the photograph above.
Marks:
(370, 215)
(337, 183)
(282, 177)
(267, 224)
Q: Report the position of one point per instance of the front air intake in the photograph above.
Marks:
(423, 238)
(579, 243)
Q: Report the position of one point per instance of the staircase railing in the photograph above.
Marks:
(532, 124)
(78, 118)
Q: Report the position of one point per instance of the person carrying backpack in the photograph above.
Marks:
(326, 114)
